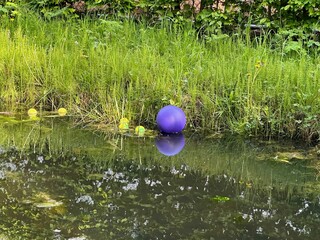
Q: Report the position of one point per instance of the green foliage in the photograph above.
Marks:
(9, 9)
(212, 18)
(104, 70)
(270, 12)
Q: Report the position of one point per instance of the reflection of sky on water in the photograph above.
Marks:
(82, 199)
(124, 188)
(170, 145)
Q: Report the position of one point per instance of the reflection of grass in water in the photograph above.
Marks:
(76, 182)
(74, 162)
(233, 157)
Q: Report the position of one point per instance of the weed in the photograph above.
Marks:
(104, 70)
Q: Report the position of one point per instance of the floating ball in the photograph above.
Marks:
(140, 130)
(124, 124)
(171, 119)
(62, 112)
(170, 145)
(124, 121)
(32, 112)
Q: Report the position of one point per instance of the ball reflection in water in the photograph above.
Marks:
(171, 144)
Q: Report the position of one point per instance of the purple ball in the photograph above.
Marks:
(171, 119)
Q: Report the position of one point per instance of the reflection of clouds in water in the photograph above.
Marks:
(112, 207)
(125, 183)
(9, 166)
(131, 186)
(259, 230)
(303, 230)
(248, 217)
(271, 214)
(266, 214)
(2, 174)
(177, 206)
(109, 172)
(78, 238)
(111, 176)
(304, 208)
(40, 159)
(179, 172)
(85, 199)
(23, 163)
(174, 171)
(152, 183)
(116, 176)
(157, 195)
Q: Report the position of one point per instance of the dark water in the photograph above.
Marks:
(59, 182)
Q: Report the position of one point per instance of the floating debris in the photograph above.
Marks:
(286, 157)
(43, 200)
(220, 198)
(49, 204)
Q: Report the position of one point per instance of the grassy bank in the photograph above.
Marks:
(103, 70)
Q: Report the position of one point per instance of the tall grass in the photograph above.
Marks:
(103, 70)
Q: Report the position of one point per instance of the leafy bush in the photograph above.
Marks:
(9, 8)
(295, 23)
(271, 12)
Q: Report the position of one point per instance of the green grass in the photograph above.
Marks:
(103, 70)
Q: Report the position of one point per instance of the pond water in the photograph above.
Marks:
(63, 182)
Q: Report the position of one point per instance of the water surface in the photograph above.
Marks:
(62, 182)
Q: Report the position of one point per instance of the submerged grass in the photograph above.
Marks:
(103, 70)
